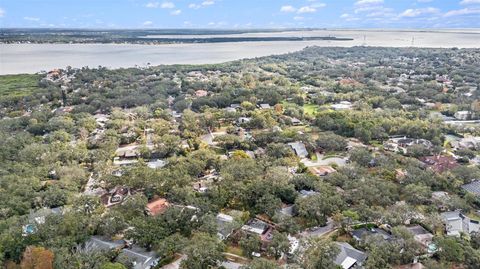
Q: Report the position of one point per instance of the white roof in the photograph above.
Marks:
(156, 164)
(348, 263)
(252, 229)
(224, 217)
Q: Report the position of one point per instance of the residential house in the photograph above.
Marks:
(299, 149)
(349, 257)
(256, 226)
(236, 106)
(422, 236)
(225, 225)
(457, 223)
(287, 210)
(126, 156)
(261, 228)
(157, 206)
(115, 196)
(472, 143)
(140, 258)
(463, 115)
(243, 120)
(440, 163)
(401, 144)
(473, 187)
(230, 110)
(361, 233)
(38, 217)
(322, 171)
(343, 105)
(264, 106)
(406, 142)
(155, 164)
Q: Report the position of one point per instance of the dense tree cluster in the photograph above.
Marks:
(53, 144)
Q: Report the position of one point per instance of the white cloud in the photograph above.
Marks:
(218, 24)
(147, 23)
(368, 2)
(318, 5)
(460, 12)
(205, 3)
(176, 12)
(31, 19)
(306, 9)
(208, 3)
(152, 4)
(410, 13)
(298, 18)
(167, 5)
(344, 16)
(374, 9)
(2, 12)
(469, 2)
(288, 9)
(424, 1)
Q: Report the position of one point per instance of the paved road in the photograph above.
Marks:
(320, 230)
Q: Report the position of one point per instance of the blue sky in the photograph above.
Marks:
(240, 13)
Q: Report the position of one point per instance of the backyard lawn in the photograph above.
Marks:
(310, 109)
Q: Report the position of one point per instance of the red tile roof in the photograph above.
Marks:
(158, 206)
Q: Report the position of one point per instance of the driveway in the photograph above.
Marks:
(319, 231)
(323, 162)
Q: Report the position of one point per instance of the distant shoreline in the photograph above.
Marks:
(32, 58)
(163, 40)
(195, 36)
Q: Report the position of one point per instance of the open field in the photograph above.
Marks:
(12, 86)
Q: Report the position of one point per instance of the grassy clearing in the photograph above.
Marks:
(310, 109)
(474, 216)
(234, 250)
(18, 85)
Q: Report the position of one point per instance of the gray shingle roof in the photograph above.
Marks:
(299, 149)
(472, 187)
(349, 252)
(358, 234)
(140, 257)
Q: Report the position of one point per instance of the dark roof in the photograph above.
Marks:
(347, 251)
(440, 163)
(472, 187)
(417, 230)
(140, 258)
(358, 234)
